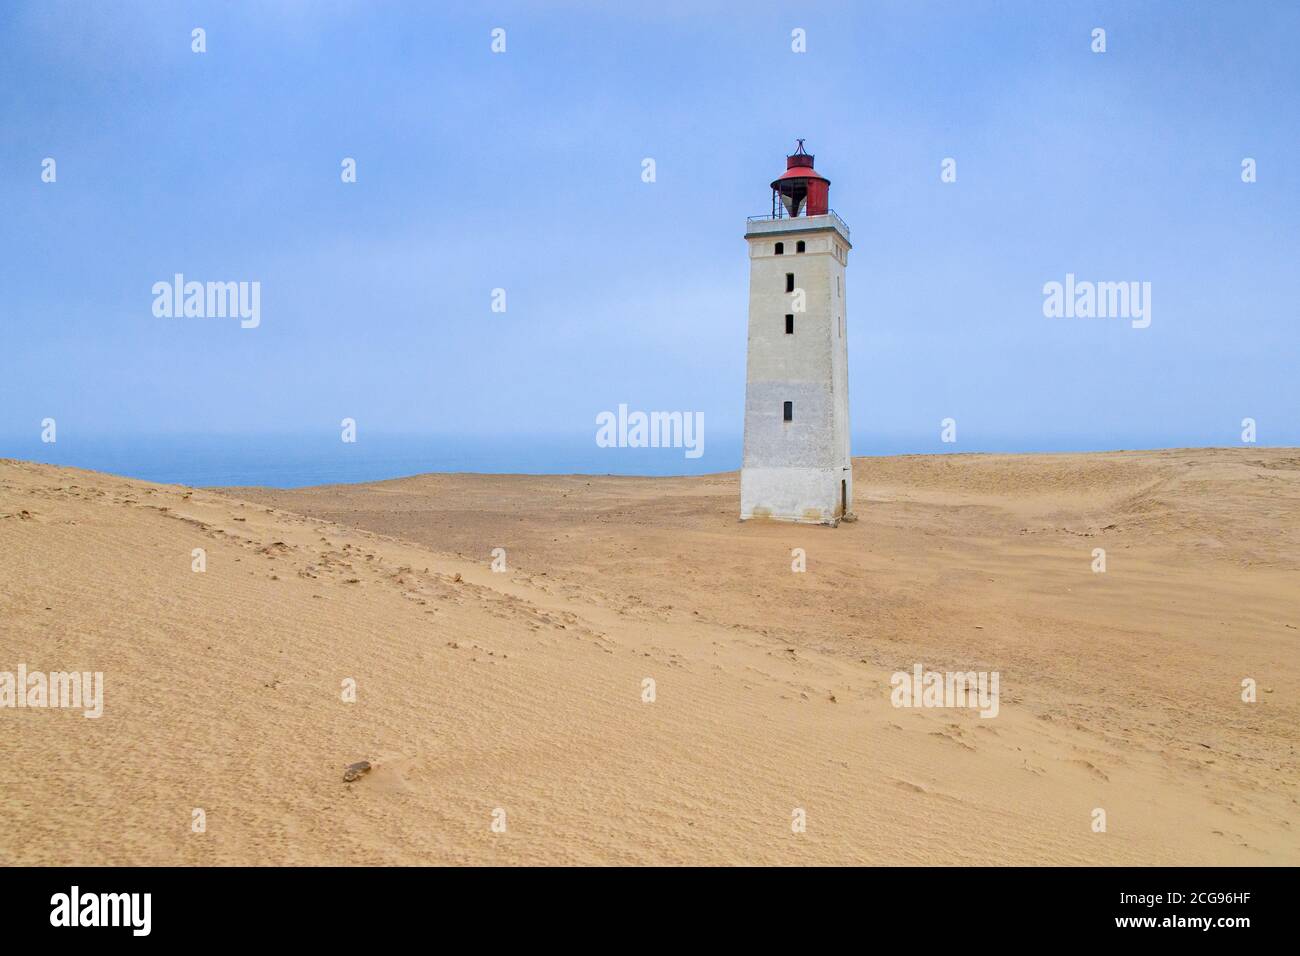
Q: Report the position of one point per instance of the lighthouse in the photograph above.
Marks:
(796, 464)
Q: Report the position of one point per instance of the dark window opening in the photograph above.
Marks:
(780, 249)
(798, 246)
(789, 282)
(789, 411)
(789, 325)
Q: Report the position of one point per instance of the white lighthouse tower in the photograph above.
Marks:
(796, 462)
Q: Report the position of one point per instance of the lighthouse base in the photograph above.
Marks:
(800, 495)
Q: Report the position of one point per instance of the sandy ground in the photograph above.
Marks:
(522, 691)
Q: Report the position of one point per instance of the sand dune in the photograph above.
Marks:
(522, 691)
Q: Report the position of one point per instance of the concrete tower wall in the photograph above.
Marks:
(792, 471)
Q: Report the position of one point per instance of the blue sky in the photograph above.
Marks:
(522, 171)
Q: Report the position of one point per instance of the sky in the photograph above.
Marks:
(522, 170)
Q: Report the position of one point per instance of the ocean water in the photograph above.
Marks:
(298, 460)
(292, 461)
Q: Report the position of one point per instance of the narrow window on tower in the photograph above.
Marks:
(789, 325)
(789, 411)
(837, 287)
(799, 246)
(780, 248)
(789, 282)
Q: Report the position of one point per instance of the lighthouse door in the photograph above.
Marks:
(844, 497)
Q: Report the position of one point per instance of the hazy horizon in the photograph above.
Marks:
(301, 460)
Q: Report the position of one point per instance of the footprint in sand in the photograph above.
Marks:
(909, 786)
(1091, 768)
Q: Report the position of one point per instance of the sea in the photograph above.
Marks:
(300, 460)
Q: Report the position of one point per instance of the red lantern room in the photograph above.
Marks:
(800, 190)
